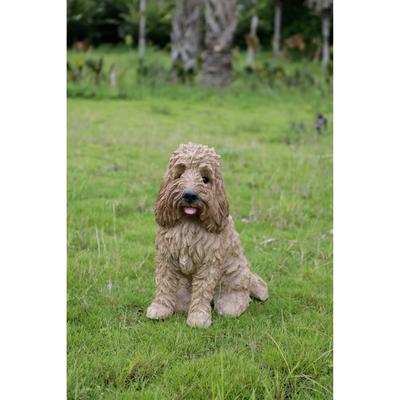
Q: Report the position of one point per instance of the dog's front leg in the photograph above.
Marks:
(203, 287)
(166, 286)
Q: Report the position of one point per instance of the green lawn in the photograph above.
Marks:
(278, 176)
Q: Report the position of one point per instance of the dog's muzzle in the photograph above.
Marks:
(189, 197)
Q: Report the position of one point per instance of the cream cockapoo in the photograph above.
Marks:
(199, 256)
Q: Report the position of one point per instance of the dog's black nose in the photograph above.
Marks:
(189, 196)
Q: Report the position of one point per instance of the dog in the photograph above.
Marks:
(199, 256)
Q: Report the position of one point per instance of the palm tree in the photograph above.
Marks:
(324, 9)
(251, 38)
(221, 20)
(185, 38)
(277, 29)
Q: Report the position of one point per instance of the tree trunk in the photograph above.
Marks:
(221, 20)
(325, 21)
(252, 41)
(277, 28)
(113, 76)
(142, 33)
(185, 38)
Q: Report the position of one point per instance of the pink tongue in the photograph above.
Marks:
(190, 210)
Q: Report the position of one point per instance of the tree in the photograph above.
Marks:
(185, 38)
(277, 28)
(251, 38)
(82, 17)
(221, 20)
(142, 33)
(324, 9)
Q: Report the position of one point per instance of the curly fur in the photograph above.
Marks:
(199, 257)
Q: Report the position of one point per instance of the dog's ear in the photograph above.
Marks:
(165, 213)
(217, 214)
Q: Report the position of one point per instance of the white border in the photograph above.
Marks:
(366, 200)
(33, 200)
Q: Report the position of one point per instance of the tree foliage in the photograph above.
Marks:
(319, 5)
(111, 21)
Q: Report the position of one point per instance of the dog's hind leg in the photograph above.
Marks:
(231, 303)
(232, 295)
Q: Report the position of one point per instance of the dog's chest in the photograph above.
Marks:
(190, 247)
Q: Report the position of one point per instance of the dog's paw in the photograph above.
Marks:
(258, 288)
(199, 319)
(158, 311)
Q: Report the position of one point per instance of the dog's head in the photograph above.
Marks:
(193, 188)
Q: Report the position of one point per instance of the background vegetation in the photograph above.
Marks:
(110, 21)
(269, 76)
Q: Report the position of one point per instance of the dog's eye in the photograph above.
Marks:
(205, 179)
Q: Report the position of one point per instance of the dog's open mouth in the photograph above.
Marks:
(190, 210)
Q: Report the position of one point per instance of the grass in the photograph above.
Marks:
(279, 184)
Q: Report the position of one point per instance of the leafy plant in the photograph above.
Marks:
(96, 67)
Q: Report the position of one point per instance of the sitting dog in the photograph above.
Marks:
(199, 255)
